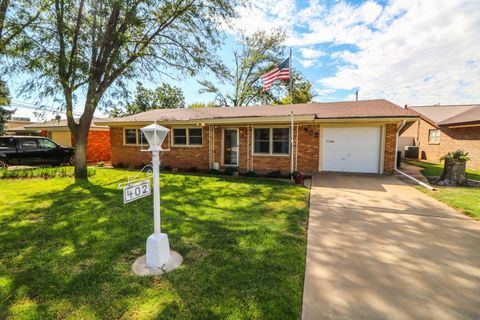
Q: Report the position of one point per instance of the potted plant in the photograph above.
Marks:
(454, 168)
(298, 177)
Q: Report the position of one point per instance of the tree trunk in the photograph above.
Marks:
(453, 173)
(81, 138)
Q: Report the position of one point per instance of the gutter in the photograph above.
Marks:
(423, 184)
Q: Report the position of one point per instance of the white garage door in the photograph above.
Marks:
(351, 149)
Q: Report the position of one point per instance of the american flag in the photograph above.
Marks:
(280, 72)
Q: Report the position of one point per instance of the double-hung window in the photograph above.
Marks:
(134, 136)
(187, 136)
(273, 141)
(434, 136)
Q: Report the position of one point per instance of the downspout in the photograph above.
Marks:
(291, 146)
(401, 172)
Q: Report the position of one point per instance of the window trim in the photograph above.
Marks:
(187, 142)
(270, 142)
(429, 136)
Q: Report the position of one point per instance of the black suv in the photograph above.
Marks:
(29, 150)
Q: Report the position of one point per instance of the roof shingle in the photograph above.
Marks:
(326, 110)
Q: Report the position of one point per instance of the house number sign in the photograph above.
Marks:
(135, 191)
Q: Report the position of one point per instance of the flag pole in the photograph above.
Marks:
(291, 113)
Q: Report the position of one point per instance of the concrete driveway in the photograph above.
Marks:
(380, 249)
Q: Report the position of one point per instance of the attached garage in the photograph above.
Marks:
(352, 149)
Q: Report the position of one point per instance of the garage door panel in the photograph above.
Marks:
(351, 149)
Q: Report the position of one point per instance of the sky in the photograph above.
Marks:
(414, 52)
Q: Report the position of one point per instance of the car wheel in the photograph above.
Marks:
(71, 160)
(3, 164)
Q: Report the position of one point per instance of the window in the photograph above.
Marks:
(262, 140)
(271, 141)
(180, 136)
(46, 144)
(28, 143)
(187, 136)
(280, 137)
(6, 143)
(130, 136)
(195, 136)
(434, 136)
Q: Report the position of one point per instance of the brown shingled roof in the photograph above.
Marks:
(62, 123)
(449, 114)
(326, 110)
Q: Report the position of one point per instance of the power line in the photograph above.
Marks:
(31, 106)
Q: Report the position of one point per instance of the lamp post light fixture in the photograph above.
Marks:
(158, 247)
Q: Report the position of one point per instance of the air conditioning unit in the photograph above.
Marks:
(215, 166)
(411, 152)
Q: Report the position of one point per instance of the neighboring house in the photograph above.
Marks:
(446, 128)
(16, 126)
(356, 136)
(98, 147)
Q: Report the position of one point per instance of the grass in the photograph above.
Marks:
(435, 169)
(464, 199)
(66, 249)
(44, 173)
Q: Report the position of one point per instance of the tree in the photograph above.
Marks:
(15, 17)
(5, 100)
(258, 54)
(164, 96)
(83, 48)
(301, 90)
(197, 105)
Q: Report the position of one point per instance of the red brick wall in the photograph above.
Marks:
(390, 148)
(198, 157)
(98, 146)
(451, 139)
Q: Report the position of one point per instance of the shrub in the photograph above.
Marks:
(213, 171)
(166, 168)
(250, 174)
(456, 155)
(274, 174)
(229, 171)
(44, 173)
(193, 169)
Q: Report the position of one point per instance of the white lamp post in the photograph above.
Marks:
(158, 247)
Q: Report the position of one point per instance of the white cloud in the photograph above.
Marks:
(308, 53)
(324, 92)
(306, 63)
(408, 51)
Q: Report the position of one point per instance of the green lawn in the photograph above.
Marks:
(466, 200)
(66, 249)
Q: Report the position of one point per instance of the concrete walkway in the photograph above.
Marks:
(380, 249)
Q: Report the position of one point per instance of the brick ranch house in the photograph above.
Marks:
(98, 148)
(358, 136)
(445, 128)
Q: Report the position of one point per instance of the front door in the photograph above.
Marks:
(230, 147)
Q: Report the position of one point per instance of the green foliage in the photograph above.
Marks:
(164, 96)
(67, 249)
(43, 173)
(5, 100)
(259, 53)
(456, 155)
(275, 174)
(197, 105)
(301, 91)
